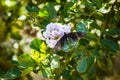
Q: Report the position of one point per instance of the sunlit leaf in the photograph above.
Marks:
(51, 10)
(92, 36)
(46, 72)
(35, 44)
(16, 35)
(105, 9)
(68, 6)
(26, 71)
(58, 1)
(43, 13)
(43, 47)
(83, 25)
(25, 61)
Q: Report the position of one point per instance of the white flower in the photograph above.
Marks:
(54, 31)
(51, 43)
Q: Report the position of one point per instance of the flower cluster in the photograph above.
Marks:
(54, 31)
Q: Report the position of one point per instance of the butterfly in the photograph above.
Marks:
(68, 40)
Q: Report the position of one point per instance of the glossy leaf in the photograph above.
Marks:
(90, 5)
(26, 71)
(68, 6)
(109, 45)
(105, 9)
(83, 26)
(98, 3)
(51, 10)
(12, 73)
(85, 64)
(15, 62)
(89, 74)
(35, 44)
(95, 25)
(32, 8)
(92, 36)
(43, 13)
(82, 66)
(26, 61)
(46, 72)
(113, 32)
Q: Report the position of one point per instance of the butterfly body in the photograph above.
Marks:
(66, 39)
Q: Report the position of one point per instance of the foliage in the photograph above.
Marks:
(91, 58)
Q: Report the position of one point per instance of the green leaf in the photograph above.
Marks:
(109, 63)
(82, 66)
(32, 8)
(43, 13)
(109, 45)
(96, 52)
(89, 74)
(83, 25)
(68, 6)
(90, 5)
(85, 64)
(105, 63)
(51, 10)
(26, 71)
(25, 61)
(12, 73)
(98, 3)
(16, 35)
(90, 61)
(105, 9)
(95, 25)
(46, 72)
(75, 1)
(113, 32)
(58, 1)
(92, 36)
(15, 62)
(66, 74)
(35, 44)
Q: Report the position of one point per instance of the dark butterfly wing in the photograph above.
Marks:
(61, 42)
(68, 38)
(74, 37)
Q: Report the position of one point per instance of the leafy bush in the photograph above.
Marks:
(92, 56)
